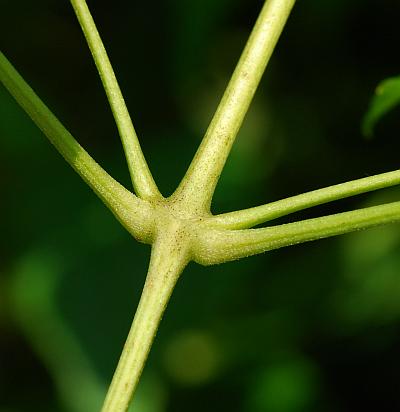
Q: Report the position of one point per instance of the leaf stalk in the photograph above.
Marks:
(201, 178)
(142, 180)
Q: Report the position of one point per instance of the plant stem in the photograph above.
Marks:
(200, 181)
(247, 218)
(181, 228)
(134, 214)
(168, 259)
(142, 179)
(219, 246)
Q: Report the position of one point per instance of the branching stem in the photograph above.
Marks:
(182, 228)
(247, 218)
(220, 246)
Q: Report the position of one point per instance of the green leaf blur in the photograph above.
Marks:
(387, 97)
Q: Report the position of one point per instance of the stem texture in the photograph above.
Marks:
(198, 185)
(247, 218)
(168, 259)
(220, 246)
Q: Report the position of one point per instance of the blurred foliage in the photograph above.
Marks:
(308, 328)
(387, 96)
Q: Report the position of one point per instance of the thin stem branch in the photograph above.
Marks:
(198, 185)
(134, 214)
(219, 246)
(168, 259)
(247, 218)
(142, 179)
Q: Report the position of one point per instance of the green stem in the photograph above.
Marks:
(142, 179)
(219, 246)
(168, 259)
(134, 214)
(199, 183)
(247, 218)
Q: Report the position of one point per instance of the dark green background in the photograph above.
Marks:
(315, 327)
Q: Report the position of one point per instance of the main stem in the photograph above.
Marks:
(168, 259)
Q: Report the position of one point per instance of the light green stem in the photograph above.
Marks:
(199, 183)
(247, 218)
(169, 257)
(134, 214)
(224, 245)
(181, 228)
(142, 179)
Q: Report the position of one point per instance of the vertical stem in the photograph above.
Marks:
(199, 183)
(168, 259)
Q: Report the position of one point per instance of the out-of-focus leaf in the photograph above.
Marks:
(192, 357)
(387, 96)
(287, 386)
(33, 303)
(151, 395)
